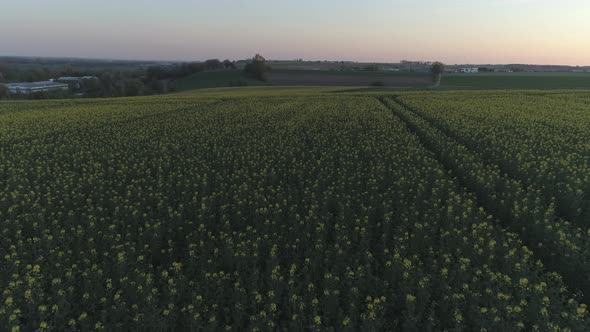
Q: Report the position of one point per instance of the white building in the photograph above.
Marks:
(470, 70)
(32, 87)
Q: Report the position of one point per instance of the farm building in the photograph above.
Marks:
(470, 70)
(32, 87)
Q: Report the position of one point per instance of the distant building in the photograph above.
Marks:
(469, 70)
(32, 87)
(75, 82)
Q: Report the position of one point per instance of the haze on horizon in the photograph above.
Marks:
(452, 31)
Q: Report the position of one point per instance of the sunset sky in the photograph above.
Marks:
(453, 31)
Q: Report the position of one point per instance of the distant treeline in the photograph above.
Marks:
(134, 80)
(186, 69)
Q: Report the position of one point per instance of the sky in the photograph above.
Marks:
(452, 31)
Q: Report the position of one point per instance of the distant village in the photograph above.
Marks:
(64, 84)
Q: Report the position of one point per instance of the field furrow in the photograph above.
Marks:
(562, 247)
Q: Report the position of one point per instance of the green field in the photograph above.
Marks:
(516, 81)
(213, 79)
(271, 208)
(406, 80)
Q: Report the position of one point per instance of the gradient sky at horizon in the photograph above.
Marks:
(453, 31)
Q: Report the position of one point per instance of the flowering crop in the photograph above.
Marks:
(277, 212)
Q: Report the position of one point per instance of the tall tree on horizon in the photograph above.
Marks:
(437, 69)
(257, 68)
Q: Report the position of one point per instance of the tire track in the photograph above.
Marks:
(539, 229)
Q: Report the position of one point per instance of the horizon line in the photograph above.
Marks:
(269, 59)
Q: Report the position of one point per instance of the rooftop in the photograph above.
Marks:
(67, 78)
(33, 85)
(75, 78)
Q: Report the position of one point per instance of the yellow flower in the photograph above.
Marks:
(582, 309)
(177, 266)
(317, 320)
(43, 325)
(407, 263)
(346, 321)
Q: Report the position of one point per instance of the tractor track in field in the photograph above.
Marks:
(573, 278)
(559, 209)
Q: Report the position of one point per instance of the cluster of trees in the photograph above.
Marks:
(257, 69)
(187, 69)
(437, 69)
(120, 85)
(486, 70)
(15, 73)
(4, 93)
(372, 68)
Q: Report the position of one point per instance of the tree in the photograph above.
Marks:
(486, 70)
(213, 64)
(6, 71)
(228, 64)
(4, 92)
(132, 87)
(257, 68)
(372, 68)
(437, 69)
(155, 72)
